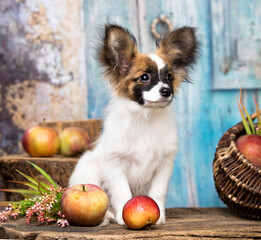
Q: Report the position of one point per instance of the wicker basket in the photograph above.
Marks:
(237, 180)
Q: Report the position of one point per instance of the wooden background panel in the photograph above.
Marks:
(203, 115)
(236, 44)
(182, 188)
(96, 14)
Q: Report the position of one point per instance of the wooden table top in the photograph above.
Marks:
(182, 223)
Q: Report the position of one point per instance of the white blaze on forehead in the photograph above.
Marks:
(158, 60)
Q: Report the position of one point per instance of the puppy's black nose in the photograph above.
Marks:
(165, 92)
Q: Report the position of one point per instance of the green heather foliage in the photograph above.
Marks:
(41, 200)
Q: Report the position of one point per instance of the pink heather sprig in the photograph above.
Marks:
(8, 213)
(46, 208)
(62, 223)
(45, 205)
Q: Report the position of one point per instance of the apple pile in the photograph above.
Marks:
(250, 144)
(140, 211)
(43, 141)
(84, 204)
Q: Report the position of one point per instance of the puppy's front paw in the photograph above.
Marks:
(119, 219)
(162, 220)
(109, 217)
(161, 205)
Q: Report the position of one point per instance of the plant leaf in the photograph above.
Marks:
(22, 191)
(257, 111)
(45, 174)
(33, 181)
(26, 184)
(39, 183)
(26, 196)
(248, 131)
(28, 177)
(247, 114)
(31, 185)
(3, 204)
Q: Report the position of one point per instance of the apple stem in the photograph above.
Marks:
(83, 188)
(43, 122)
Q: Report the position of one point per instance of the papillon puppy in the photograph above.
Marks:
(135, 153)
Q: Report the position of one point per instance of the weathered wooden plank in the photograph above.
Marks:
(58, 167)
(96, 14)
(208, 223)
(236, 44)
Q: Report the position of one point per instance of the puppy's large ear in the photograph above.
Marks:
(117, 50)
(180, 47)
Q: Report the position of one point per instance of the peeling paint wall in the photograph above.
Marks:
(42, 66)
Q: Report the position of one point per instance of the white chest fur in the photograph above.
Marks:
(139, 138)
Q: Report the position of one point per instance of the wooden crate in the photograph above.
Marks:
(92, 126)
(58, 166)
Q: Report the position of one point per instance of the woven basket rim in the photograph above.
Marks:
(237, 180)
(233, 134)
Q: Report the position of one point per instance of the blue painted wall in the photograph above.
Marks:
(229, 31)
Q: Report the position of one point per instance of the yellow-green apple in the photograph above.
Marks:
(73, 140)
(250, 147)
(140, 211)
(84, 204)
(41, 141)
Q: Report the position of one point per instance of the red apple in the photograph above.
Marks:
(41, 141)
(84, 204)
(73, 140)
(140, 212)
(250, 147)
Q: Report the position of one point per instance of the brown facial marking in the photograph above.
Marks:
(179, 74)
(180, 47)
(141, 64)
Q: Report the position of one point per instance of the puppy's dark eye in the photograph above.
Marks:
(145, 77)
(169, 77)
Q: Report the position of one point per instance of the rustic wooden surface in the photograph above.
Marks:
(58, 167)
(182, 223)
